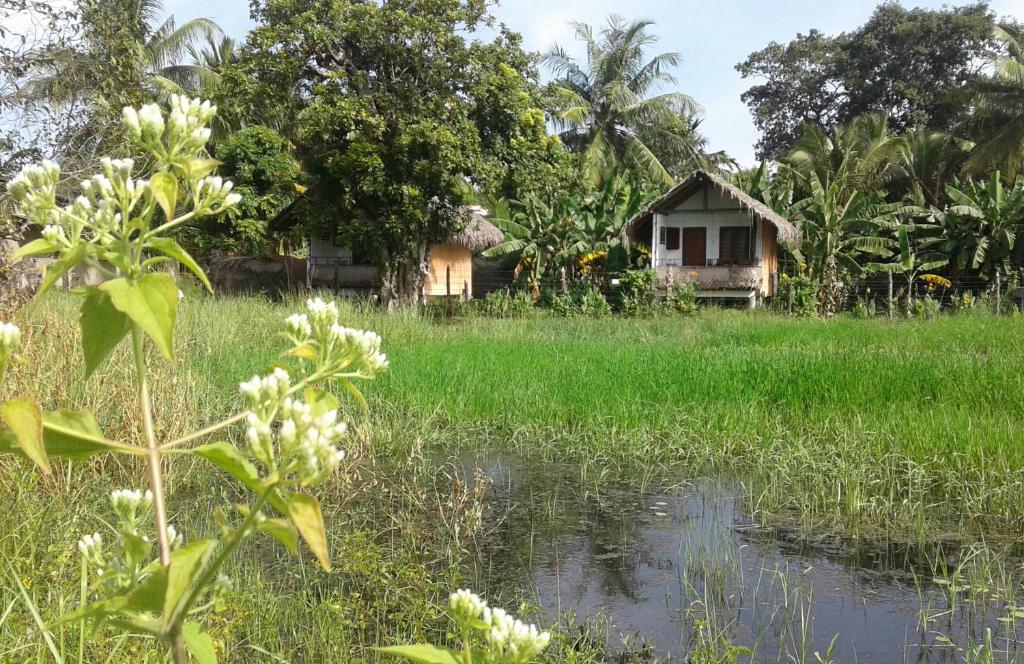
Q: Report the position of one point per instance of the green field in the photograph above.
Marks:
(897, 429)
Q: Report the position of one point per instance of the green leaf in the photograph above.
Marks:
(199, 643)
(228, 458)
(302, 351)
(103, 327)
(169, 247)
(283, 532)
(62, 266)
(304, 511)
(320, 401)
(185, 565)
(199, 168)
(163, 187)
(149, 595)
(356, 394)
(151, 302)
(423, 653)
(38, 247)
(25, 420)
(73, 434)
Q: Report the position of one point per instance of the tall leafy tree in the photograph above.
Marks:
(917, 66)
(394, 109)
(608, 107)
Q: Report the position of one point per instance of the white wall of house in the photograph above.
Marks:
(324, 249)
(707, 208)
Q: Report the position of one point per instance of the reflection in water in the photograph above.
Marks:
(681, 567)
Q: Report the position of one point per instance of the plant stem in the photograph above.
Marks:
(155, 479)
(209, 573)
(213, 428)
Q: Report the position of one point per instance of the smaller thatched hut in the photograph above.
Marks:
(451, 263)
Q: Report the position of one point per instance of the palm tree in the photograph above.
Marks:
(125, 55)
(1000, 109)
(929, 159)
(209, 59)
(844, 210)
(604, 106)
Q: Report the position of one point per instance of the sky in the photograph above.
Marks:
(710, 35)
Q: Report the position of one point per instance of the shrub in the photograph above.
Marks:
(925, 308)
(505, 304)
(799, 294)
(637, 287)
(582, 299)
(863, 308)
(682, 298)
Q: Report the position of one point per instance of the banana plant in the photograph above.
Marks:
(981, 225)
(914, 259)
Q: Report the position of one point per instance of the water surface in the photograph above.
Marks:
(679, 564)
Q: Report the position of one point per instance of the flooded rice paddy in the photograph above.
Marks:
(680, 568)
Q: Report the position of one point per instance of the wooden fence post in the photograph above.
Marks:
(999, 287)
(889, 293)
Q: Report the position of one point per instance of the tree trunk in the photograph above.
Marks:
(401, 278)
(828, 295)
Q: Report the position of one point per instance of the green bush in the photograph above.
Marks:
(505, 304)
(582, 299)
(637, 287)
(925, 308)
(799, 295)
(682, 298)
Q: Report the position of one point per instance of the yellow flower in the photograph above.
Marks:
(934, 280)
(693, 274)
(803, 267)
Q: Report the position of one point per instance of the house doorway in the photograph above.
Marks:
(695, 241)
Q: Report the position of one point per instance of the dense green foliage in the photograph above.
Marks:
(916, 65)
(400, 111)
(265, 174)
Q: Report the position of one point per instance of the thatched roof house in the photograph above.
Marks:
(709, 231)
(451, 262)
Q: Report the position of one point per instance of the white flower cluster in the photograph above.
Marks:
(130, 504)
(185, 128)
(91, 548)
(216, 195)
(10, 340)
(512, 639)
(311, 440)
(341, 348)
(35, 187)
(263, 397)
(359, 349)
(508, 639)
(174, 538)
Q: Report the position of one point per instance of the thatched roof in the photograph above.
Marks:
(787, 232)
(479, 234)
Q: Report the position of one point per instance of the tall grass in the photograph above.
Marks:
(899, 429)
(903, 426)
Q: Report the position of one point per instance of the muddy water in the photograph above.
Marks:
(680, 566)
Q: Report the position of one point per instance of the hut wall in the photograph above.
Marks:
(445, 257)
(770, 262)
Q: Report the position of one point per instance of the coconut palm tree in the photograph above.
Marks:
(999, 118)
(125, 54)
(606, 105)
(928, 160)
